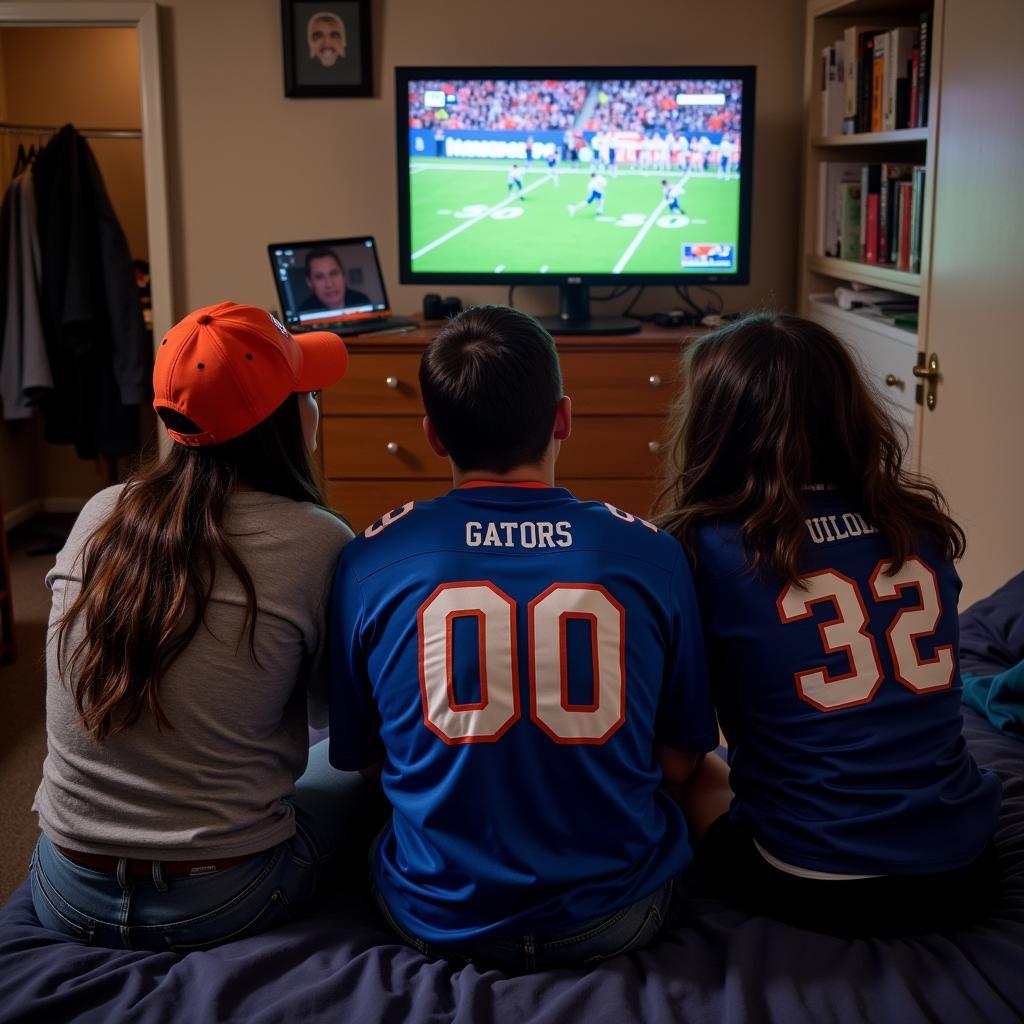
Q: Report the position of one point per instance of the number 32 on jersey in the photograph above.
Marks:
(498, 708)
(847, 633)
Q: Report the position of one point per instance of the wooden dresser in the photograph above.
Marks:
(376, 458)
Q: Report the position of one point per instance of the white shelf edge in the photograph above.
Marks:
(866, 273)
(903, 335)
(900, 135)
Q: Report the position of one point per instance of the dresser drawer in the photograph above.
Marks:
(383, 447)
(375, 447)
(364, 501)
(614, 447)
(379, 383)
(620, 382)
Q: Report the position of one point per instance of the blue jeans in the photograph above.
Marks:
(333, 814)
(583, 945)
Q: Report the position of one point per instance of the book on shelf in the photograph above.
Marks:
(889, 175)
(849, 220)
(833, 96)
(882, 75)
(917, 218)
(870, 184)
(915, 67)
(896, 98)
(924, 46)
(880, 46)
(852, 40)
(830, 175)
(887, 226)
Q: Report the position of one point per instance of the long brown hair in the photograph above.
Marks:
(148, 571)
(771, 405)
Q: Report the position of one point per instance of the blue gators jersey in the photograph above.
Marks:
(514, 655)
(841, 701)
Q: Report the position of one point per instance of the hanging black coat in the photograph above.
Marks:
(96, 340)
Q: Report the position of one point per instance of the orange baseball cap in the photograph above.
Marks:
(228, 367)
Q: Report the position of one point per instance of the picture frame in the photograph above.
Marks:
(327, 48)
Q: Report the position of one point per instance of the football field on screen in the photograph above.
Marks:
(465, 220)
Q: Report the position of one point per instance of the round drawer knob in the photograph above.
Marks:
(392, 447)
(653, 447)
(892, 381)
(391, 382)
(654, 380)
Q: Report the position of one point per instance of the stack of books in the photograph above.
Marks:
(872, 213)
(875, 79)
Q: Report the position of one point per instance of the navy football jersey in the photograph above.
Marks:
(840, 700)
(514, 655)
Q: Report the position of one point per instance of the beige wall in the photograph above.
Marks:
(248, 166)
(90, 77)
(252, 167)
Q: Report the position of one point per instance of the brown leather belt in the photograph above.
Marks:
(103, 862)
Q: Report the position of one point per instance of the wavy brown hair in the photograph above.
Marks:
(774, 404)
(148, 571)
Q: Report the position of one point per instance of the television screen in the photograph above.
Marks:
(601, 174)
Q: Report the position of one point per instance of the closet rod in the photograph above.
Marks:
(7, 128)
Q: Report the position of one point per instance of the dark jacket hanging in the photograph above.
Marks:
(96, 340)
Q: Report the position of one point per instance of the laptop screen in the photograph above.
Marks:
(332, 281)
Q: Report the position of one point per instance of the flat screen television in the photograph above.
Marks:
(575, 176)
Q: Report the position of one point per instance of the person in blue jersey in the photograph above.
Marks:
(671, 193)
(824, 572)
(528, 670)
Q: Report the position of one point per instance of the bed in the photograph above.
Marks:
(718, 966)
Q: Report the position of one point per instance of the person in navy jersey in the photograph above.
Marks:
(528, 670)
(824, 572)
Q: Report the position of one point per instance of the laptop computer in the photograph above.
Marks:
(333, 284)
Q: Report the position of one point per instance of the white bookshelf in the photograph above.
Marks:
(819, 275)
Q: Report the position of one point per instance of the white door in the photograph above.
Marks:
(972, 443)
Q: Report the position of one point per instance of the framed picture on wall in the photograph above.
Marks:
(327, 47)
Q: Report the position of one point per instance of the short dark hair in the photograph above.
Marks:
(491, 383)
(319, 254)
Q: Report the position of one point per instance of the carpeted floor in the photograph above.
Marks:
(22, 725)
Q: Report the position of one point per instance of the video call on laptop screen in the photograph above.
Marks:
(328, 282)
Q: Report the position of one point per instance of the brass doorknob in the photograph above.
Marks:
(392, 447)
(391, 382)
(654, 380)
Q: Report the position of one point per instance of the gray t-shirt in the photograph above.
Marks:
(214, 784)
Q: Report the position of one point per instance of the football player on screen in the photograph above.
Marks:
(671, 193)
(596, 184)
(515, 180)
(526, 669)
(825, 576)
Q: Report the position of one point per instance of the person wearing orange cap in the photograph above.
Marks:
(186, 642)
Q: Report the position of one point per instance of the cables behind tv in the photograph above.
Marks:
(683, 291)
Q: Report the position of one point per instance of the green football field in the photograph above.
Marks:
(465, 220)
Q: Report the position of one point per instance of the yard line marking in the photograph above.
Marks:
(544, 269)
(642, 233)
(499, 268)
(512, 198)
(416, 170)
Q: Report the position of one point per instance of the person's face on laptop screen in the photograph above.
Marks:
(326, 279)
